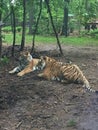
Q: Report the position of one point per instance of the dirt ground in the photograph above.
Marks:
(31, 103)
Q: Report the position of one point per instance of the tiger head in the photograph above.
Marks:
(45, 60)
(25, 55)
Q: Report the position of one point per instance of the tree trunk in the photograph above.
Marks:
(30, 22)
(14, 29)
(65, 21)
(1, 3)
(23, 25)
(79, 20)
(36, 26)
(49, 11)
(86, 5)
(31, 17)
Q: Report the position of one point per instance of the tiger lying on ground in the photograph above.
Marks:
(27, 64)
(68, 73)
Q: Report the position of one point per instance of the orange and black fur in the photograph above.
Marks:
(27, 64)
(69, 73)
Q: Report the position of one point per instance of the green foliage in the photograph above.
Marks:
(18, 29)
(45, 27)
(4, 61)
(83, 11)
(71, 123)
(7, 29)
(93, 33)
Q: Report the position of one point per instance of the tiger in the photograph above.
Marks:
(27, 64)
(64, 72)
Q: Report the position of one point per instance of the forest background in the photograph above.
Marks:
(20, 21)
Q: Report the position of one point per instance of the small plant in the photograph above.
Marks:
(18, 29)
(71, 123)
(4, 60)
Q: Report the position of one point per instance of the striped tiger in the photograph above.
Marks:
(64, 72)
(26, 65)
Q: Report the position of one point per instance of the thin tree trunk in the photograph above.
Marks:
(30, 22)
(86, 5)
(65, 23)
(36, 26)
(79, 22)
(49, 11)
(31, 16)
(1, 2)
(65, 20)
(14, 29)
(23, 25)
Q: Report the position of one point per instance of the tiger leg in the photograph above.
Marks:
(24, 71)
(44, 75)
(15, 70)
(65, 81)
(41, 75)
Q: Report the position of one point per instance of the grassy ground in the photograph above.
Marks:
(71, 40)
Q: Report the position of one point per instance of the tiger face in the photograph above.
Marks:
(45, 60)
(25, 55)
(51, 68)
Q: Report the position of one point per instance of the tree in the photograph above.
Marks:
(30, 16)
(36, 26)
(14, 28)
(23, 25)
(1, 4)
(49, 11)
(65, 20)
(84, 11)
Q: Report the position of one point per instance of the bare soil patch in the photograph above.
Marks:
(30, 103)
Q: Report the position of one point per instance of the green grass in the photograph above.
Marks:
(71, 123)
(4, 61)
(74, 41)
(79, 41)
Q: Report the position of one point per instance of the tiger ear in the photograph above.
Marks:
(43, 57)
(27, 53)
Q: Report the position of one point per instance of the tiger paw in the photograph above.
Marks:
(40, 75)
(11, 72)
(19, 74)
